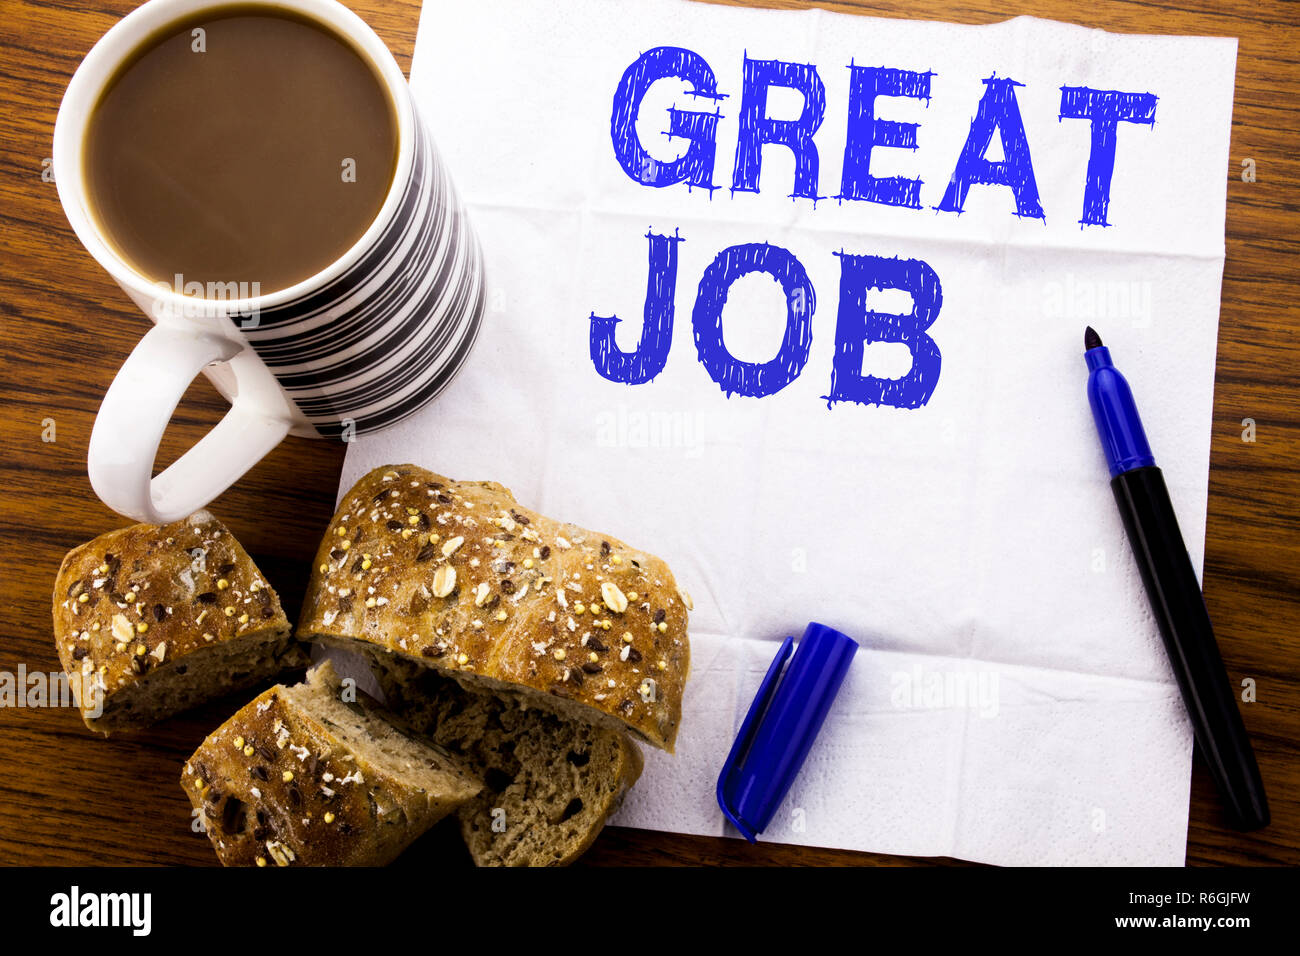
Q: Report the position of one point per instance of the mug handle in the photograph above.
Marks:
(135, 413)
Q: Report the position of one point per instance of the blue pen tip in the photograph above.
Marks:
(1091, 340)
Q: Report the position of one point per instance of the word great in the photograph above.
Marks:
(997, 111)
(856, 325)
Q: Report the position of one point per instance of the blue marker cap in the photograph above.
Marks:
(1123, 438)
(782, 723)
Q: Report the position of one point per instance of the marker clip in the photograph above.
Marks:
(782, 723)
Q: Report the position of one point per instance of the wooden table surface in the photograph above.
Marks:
(70, 797)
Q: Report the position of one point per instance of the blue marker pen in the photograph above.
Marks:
(1176, 601)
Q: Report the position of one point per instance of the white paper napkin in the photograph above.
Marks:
(1011, 702)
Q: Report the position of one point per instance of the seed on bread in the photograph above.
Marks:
(444, 581)
(614, 599)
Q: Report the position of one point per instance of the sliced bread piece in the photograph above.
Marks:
(460, 577)
(303, 776)
(152, 620)
(551, 781)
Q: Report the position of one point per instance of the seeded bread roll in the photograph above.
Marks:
(151, 620)
(301, 777)
(461, 578)
(551, 782)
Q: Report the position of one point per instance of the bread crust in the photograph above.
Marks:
(143, 599)
(274, 786)
(460, 577)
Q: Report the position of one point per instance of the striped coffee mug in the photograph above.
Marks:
(360, 345)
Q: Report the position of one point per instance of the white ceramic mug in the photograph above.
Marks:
(356, 347)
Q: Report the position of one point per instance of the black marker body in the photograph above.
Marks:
(1179, 610)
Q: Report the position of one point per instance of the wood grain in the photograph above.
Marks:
(67, 797)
